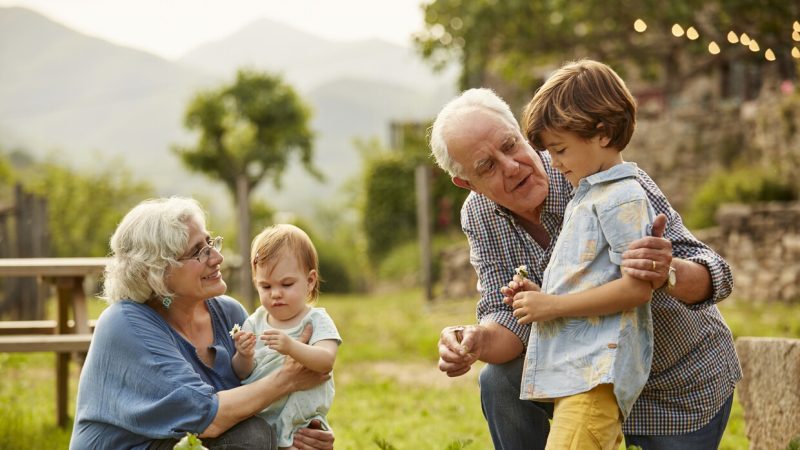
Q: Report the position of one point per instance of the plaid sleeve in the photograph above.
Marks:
(686, 246)
(491, 245)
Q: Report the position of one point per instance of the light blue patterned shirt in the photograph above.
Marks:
(572, 355)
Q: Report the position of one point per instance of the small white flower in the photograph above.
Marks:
(234, 330)
(522, 271)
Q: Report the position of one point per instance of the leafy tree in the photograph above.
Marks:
(84, 208)
(505, 44)
(248, 130)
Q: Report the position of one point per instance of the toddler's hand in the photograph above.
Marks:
(245, 343)
(278, 340)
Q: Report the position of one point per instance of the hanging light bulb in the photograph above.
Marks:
(796, 26)
(677, 30)
(795, 53)
(692, 34)
(713, 48)
(732, 37)
(769, 54)
(639, 25)
(744, 39)
(796, 35)
(754, 46)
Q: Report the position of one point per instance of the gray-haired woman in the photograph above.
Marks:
(160, 361)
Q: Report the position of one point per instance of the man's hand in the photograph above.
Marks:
(459, 348)
(648, 259)
(313, 437)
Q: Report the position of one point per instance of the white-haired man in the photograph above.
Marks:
(512, 217)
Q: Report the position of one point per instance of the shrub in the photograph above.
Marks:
(740, 185)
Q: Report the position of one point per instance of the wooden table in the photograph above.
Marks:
(67, 275)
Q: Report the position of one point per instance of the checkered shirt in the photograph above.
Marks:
(695, 366)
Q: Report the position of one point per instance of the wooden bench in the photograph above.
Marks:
(15, 327)
(59, 343)
(62, 336)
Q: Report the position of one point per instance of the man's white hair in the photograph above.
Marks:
(472, 99)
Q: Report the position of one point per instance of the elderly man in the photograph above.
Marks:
(513, 217)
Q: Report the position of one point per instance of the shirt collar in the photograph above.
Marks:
(618, 172)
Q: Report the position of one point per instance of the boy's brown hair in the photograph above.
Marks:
(584, 97)
(274, 239)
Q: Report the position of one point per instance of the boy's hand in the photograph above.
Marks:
(245, 343)
(278, 340)
(517, 285)
(534, 306)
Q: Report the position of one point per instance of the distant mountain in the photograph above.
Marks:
(82, 96)
(308, 61)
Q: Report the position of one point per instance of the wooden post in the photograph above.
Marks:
(422, 177)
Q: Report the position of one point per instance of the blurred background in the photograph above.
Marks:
(316, 113)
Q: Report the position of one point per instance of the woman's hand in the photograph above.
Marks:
(313, 437)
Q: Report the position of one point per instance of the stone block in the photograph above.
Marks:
(770, 390)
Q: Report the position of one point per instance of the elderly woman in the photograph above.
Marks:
(160, 360)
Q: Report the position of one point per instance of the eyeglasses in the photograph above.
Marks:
(202, 255)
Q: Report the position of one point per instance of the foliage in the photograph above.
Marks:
(403, 261)
(794, 444)
(190, 442)
(250, 128)
(511, 40)
(389, 210)
(84, 208)
(739, 185)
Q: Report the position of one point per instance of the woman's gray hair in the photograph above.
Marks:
(145, 246)
(479, 98)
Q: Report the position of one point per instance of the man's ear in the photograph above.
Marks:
(462, 183)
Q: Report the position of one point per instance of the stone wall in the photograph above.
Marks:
(769, 391)
(761, 242)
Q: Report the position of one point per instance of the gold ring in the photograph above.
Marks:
(654, 265)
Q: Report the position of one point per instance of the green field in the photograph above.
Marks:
(389, 393)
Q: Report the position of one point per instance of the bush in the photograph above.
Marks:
(740, 185)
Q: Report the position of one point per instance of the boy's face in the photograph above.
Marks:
(283, 286)
(497, 161)
(577, 158)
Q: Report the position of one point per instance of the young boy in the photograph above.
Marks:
(592, 367)
(286, 274)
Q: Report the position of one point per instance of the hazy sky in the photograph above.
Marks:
(171, 27)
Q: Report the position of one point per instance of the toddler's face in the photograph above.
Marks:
(283, 286)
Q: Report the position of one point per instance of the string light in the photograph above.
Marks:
(796, 35)
(713, 48)
(677, 30)
(733, 37)
(769, 54)
(745, 39)
(795, 53)
(796, 26)
(692, 34)
(754, 45)
(639, 25)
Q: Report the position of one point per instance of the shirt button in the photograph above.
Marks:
(612, 345)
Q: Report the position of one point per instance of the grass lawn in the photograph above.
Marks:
(389, 394)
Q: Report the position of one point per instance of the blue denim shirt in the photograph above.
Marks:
(143, 381)
(571, 355)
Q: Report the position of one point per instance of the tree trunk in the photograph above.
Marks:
(243, 216)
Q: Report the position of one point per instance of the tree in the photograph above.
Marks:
(248, 131)
(507, 43)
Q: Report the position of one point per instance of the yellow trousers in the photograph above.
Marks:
(589, 420)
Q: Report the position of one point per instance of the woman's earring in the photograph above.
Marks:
(166, 301)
